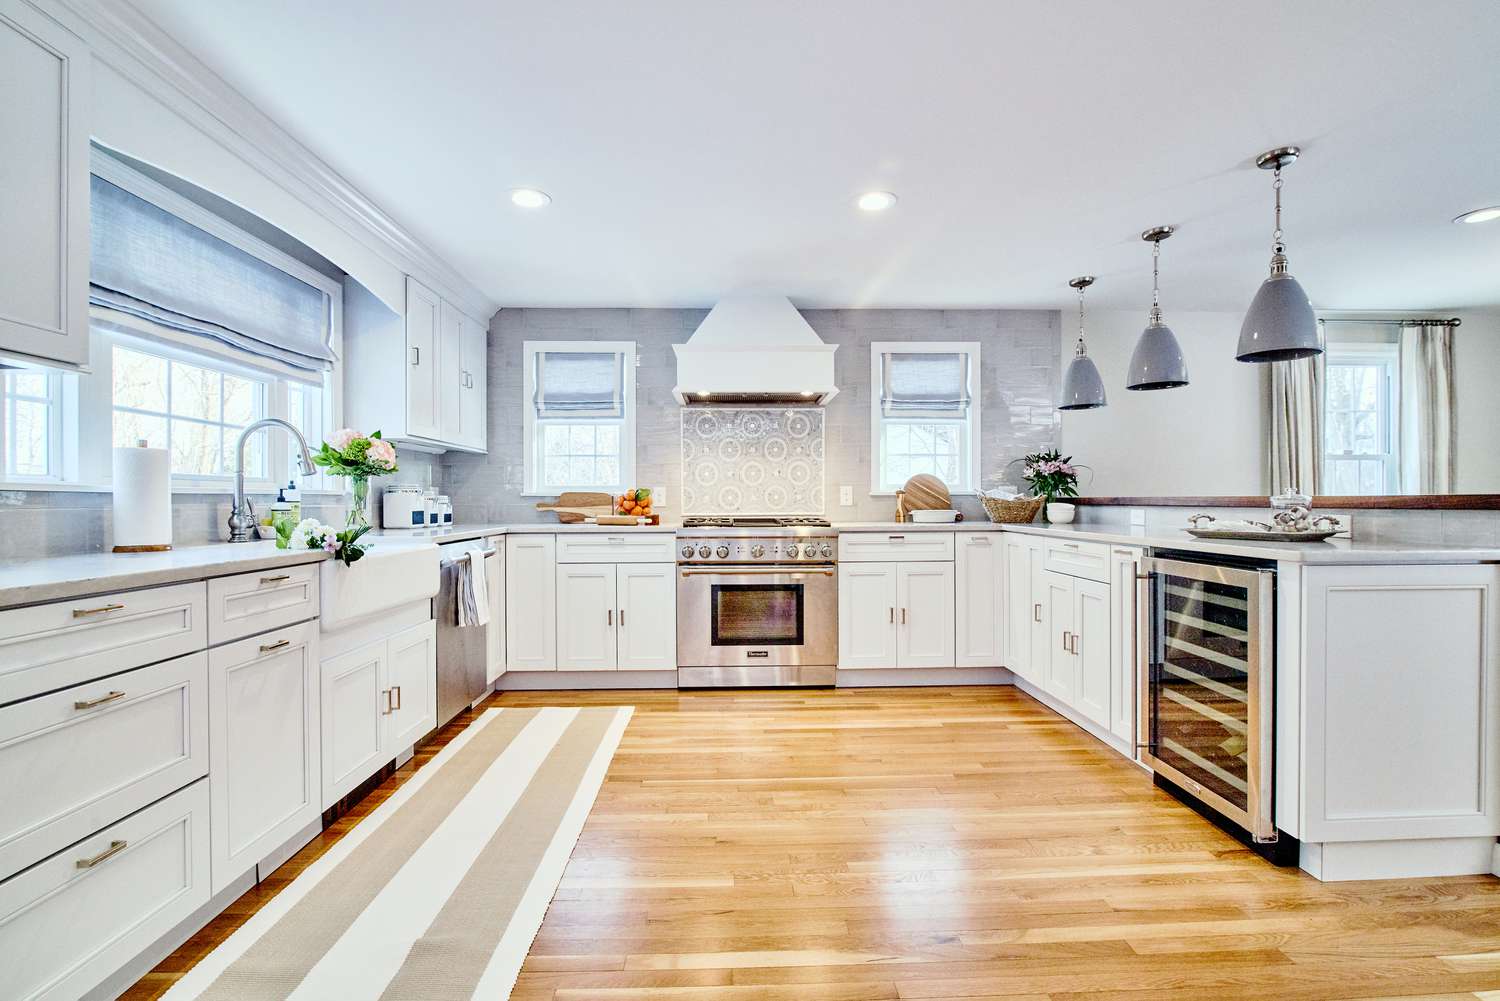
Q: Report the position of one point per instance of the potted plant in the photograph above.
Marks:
(348, 453)
(1051, 475)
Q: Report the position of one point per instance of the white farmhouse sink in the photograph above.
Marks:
(392, 573)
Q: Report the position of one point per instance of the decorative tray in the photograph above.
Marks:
(1289, 526)
(1263, 535)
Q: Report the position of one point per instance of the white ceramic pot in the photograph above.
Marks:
(1061, 514)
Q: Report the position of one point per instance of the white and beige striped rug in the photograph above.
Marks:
(439, 893)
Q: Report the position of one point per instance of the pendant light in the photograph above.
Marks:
(1082, 389)
(1157, 362)
(1279, 325)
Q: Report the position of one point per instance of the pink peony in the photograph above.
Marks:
(341, 438)
(382, 453)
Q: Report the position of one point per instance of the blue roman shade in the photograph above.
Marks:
(580, 384)
(155, 275)
(925, 384)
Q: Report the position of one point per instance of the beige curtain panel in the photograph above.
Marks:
(1428, 436)
(1296, 425)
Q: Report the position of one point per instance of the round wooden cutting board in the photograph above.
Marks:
(925, 492)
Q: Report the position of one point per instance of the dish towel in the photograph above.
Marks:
(473, 590)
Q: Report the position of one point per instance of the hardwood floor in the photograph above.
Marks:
(934, 843)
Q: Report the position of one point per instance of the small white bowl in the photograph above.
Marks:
(934, 517)
(1061, 514)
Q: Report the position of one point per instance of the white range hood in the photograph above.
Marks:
(754, 348)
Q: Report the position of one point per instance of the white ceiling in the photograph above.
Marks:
(692, 148)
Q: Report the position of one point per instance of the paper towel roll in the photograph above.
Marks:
(142, 499)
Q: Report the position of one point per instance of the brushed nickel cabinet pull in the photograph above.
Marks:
(101, 700)
(1036, 612)
(276, 579)
(622, 618)
(79, 613)
(387, 693)
(416, 355)
(903, 616)
(396, 691)
(115, 848)
(893, 614)
(609, 616)
(1065, 635)
(271, 647)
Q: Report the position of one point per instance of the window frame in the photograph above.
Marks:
(532, 425)
(1386, 357)
(971, 424)
(58, 396)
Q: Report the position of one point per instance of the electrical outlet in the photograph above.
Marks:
(846, 496)
(658, 497)
(1138, 517)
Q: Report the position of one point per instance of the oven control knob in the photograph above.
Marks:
(687, 552)
(704, 552)
(791, 551)
(722, 552)
(757, 551)
(826, 552)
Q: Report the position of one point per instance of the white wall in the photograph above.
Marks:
(1476, 376)
(1204, 438)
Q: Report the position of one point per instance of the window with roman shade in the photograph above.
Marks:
(580, 425)
(924, 415)
(925, 384)
(579, 385)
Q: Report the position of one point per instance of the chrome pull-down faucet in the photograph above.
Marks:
(242, 515)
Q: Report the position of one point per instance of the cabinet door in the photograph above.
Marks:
(354, 711)
(867, 615)
(1020, 608)
(263, 746)
(647, 633)
(1057, 654)
(586, 610)
(44, 188)
(452, 385)
(1041, 624)
(1092, 649)
(423, 361)
(411, 680)
(978, 590)
(924, 599)
(494, 568)
(474, 349)
(1125, 656)
(531, 602)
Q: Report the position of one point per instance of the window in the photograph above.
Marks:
(580, 416)
(1359, 427)
(32, 419)
(924, 414)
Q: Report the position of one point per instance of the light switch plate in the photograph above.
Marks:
(846, 496)
(1138, 516)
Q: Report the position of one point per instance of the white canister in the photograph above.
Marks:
(445, 509)
(1061, 514)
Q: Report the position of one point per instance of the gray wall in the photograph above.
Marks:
(1020, 370)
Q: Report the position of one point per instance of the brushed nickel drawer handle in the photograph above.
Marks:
(100, 701)
(272, 647)
(609, 616)
(622, 618)
(387, 693)
(1065, 644)
(893, 614)
(903, 616)
(115, 848)
(79, 613)
(277, 579)
(1036, 612)
(396, 692)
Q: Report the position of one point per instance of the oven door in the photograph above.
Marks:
(738, 616)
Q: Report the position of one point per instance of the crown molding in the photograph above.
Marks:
(138, 48)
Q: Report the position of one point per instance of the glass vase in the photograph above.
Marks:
(359, 511)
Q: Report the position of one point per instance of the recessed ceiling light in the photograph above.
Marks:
(876, 201)
(1489, 214)
(530, 198)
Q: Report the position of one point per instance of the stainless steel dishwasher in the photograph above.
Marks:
(461, 650)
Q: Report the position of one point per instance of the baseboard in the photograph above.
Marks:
(573, 681)
(1495, 859)
(1336, 861)
(278, 858)
(903, 677)
(1122, 747)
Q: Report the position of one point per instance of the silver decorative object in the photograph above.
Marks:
(1279, 325)
(1082, 389)
(1157, 362)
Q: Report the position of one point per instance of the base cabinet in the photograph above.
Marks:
(979, 600)
(646, 637)
(1127, 634)
(895, 615)
(264, 746)
(616, 617)
(531, 602)
(494, 570)
(1023, 614)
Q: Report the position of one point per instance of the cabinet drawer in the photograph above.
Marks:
(72, 920)
(617, 548)
(1089, 560)
(251, 603)
(895, 547)
(53, 646)
(75, 760)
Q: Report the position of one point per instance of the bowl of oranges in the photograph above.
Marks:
(636, 504)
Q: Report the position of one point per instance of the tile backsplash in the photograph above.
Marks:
(755, 460)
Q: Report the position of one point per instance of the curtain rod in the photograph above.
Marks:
(1454, 322)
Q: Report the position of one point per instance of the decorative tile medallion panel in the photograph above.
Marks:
(752, 460)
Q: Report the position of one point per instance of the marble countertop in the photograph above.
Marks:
(973, 525)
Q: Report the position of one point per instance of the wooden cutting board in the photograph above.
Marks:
(923, 492)
(574, 506)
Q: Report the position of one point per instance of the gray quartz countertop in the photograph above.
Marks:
(463, 533)
(27, 582)
(899, 528)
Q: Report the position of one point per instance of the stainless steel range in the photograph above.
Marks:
(757, 602)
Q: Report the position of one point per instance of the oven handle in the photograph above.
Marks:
(757, 571)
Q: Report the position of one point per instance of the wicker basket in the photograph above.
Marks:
(1011, 512)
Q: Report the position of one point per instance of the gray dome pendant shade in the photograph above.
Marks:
(1157, 362)
(1082, 389)
(1279, 325)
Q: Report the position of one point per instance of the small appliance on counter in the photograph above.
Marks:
(402, 506)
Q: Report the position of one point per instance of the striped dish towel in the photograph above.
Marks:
(473, 590)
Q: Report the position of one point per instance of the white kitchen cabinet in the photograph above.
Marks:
(424, 361)
(924, 597)
(531, 602)
(867, 615)
(1126, 632)
(1023, 615)
(978, 590)
(586, 611)
(1092, 649)
(647, 633)
(411, 679)
(474, 343)
(494, 574)
(44, 189)
(264, 746)
(1056, 598)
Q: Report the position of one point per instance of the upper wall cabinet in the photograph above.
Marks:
(44, 189)
(418, 378)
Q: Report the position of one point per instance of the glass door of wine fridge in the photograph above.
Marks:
(1209, 696)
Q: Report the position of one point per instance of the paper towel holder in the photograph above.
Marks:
(154, 548)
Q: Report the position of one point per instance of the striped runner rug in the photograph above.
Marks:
(439, 892)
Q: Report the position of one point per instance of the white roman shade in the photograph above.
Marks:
(925, 384)
(154, 275)
(580, 384)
